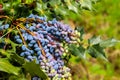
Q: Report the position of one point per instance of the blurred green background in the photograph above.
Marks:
(104, 21)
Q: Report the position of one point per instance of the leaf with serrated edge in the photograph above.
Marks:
(97, 52)
(94, 40)
(81, 30)
(73, 8)
(109, 43)
(86, 4)
(17, 58)
(34, 69)
(77, 51)
(6, 66)
(82, 51)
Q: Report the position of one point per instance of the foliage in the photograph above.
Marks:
(53, 8)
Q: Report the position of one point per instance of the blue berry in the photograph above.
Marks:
(56, 54)
(48, 54)
(39, 53)
(23, 31)
(46, 50)
(31, 51)
(35, 45)
(6, 26)
(30, 37)
(32, 28)
(22, 54)
(32, 41)
(30, 45)
(37, 49)
(31, 16)
(35, 78)
(19, 40)
(17, 37)
(50, 57)
(56, 67)
(27, 26)
(23, 47)
(27, 53)
(1, 28)
(30, 57)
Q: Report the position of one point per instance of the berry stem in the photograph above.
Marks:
(39, 43)
(21, 26)
(21, 37)
(7, 33)
(2, 16)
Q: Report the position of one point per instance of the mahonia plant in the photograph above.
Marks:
(33, 47)
(53, 8)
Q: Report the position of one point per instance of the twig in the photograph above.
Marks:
(21, 26)
(5, 17)
(21, 37)
(7, 33)
(39, 44)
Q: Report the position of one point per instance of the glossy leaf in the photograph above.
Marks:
(55, 2)
(73, 8)
(19, 8)
(109, 43)
(86, 4)
(97, 51)
(17, 58)
(94, 40)
(34, 69)
(82, 51)
(7, 67)
(4, 53)
(81, 30)
(77, 51)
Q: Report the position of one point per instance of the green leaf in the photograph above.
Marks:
(73, 49)
(77, 51)
(19, 77)
(94, 40)
(39, 6)
(4, 53)
(54, 2)
(97, 51)
(86, 4)
(103, 43)
(94, 1)
(109, 43)
(29, 1)
(34, 69)
(6, 66)
(8, 41)
(1, 22)
(73, 8)
(82, 51)
(81, 30)
(61, 10)
(17, 58)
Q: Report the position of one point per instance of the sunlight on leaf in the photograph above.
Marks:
(6, 66)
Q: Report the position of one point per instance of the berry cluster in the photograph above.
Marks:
(42, 42)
